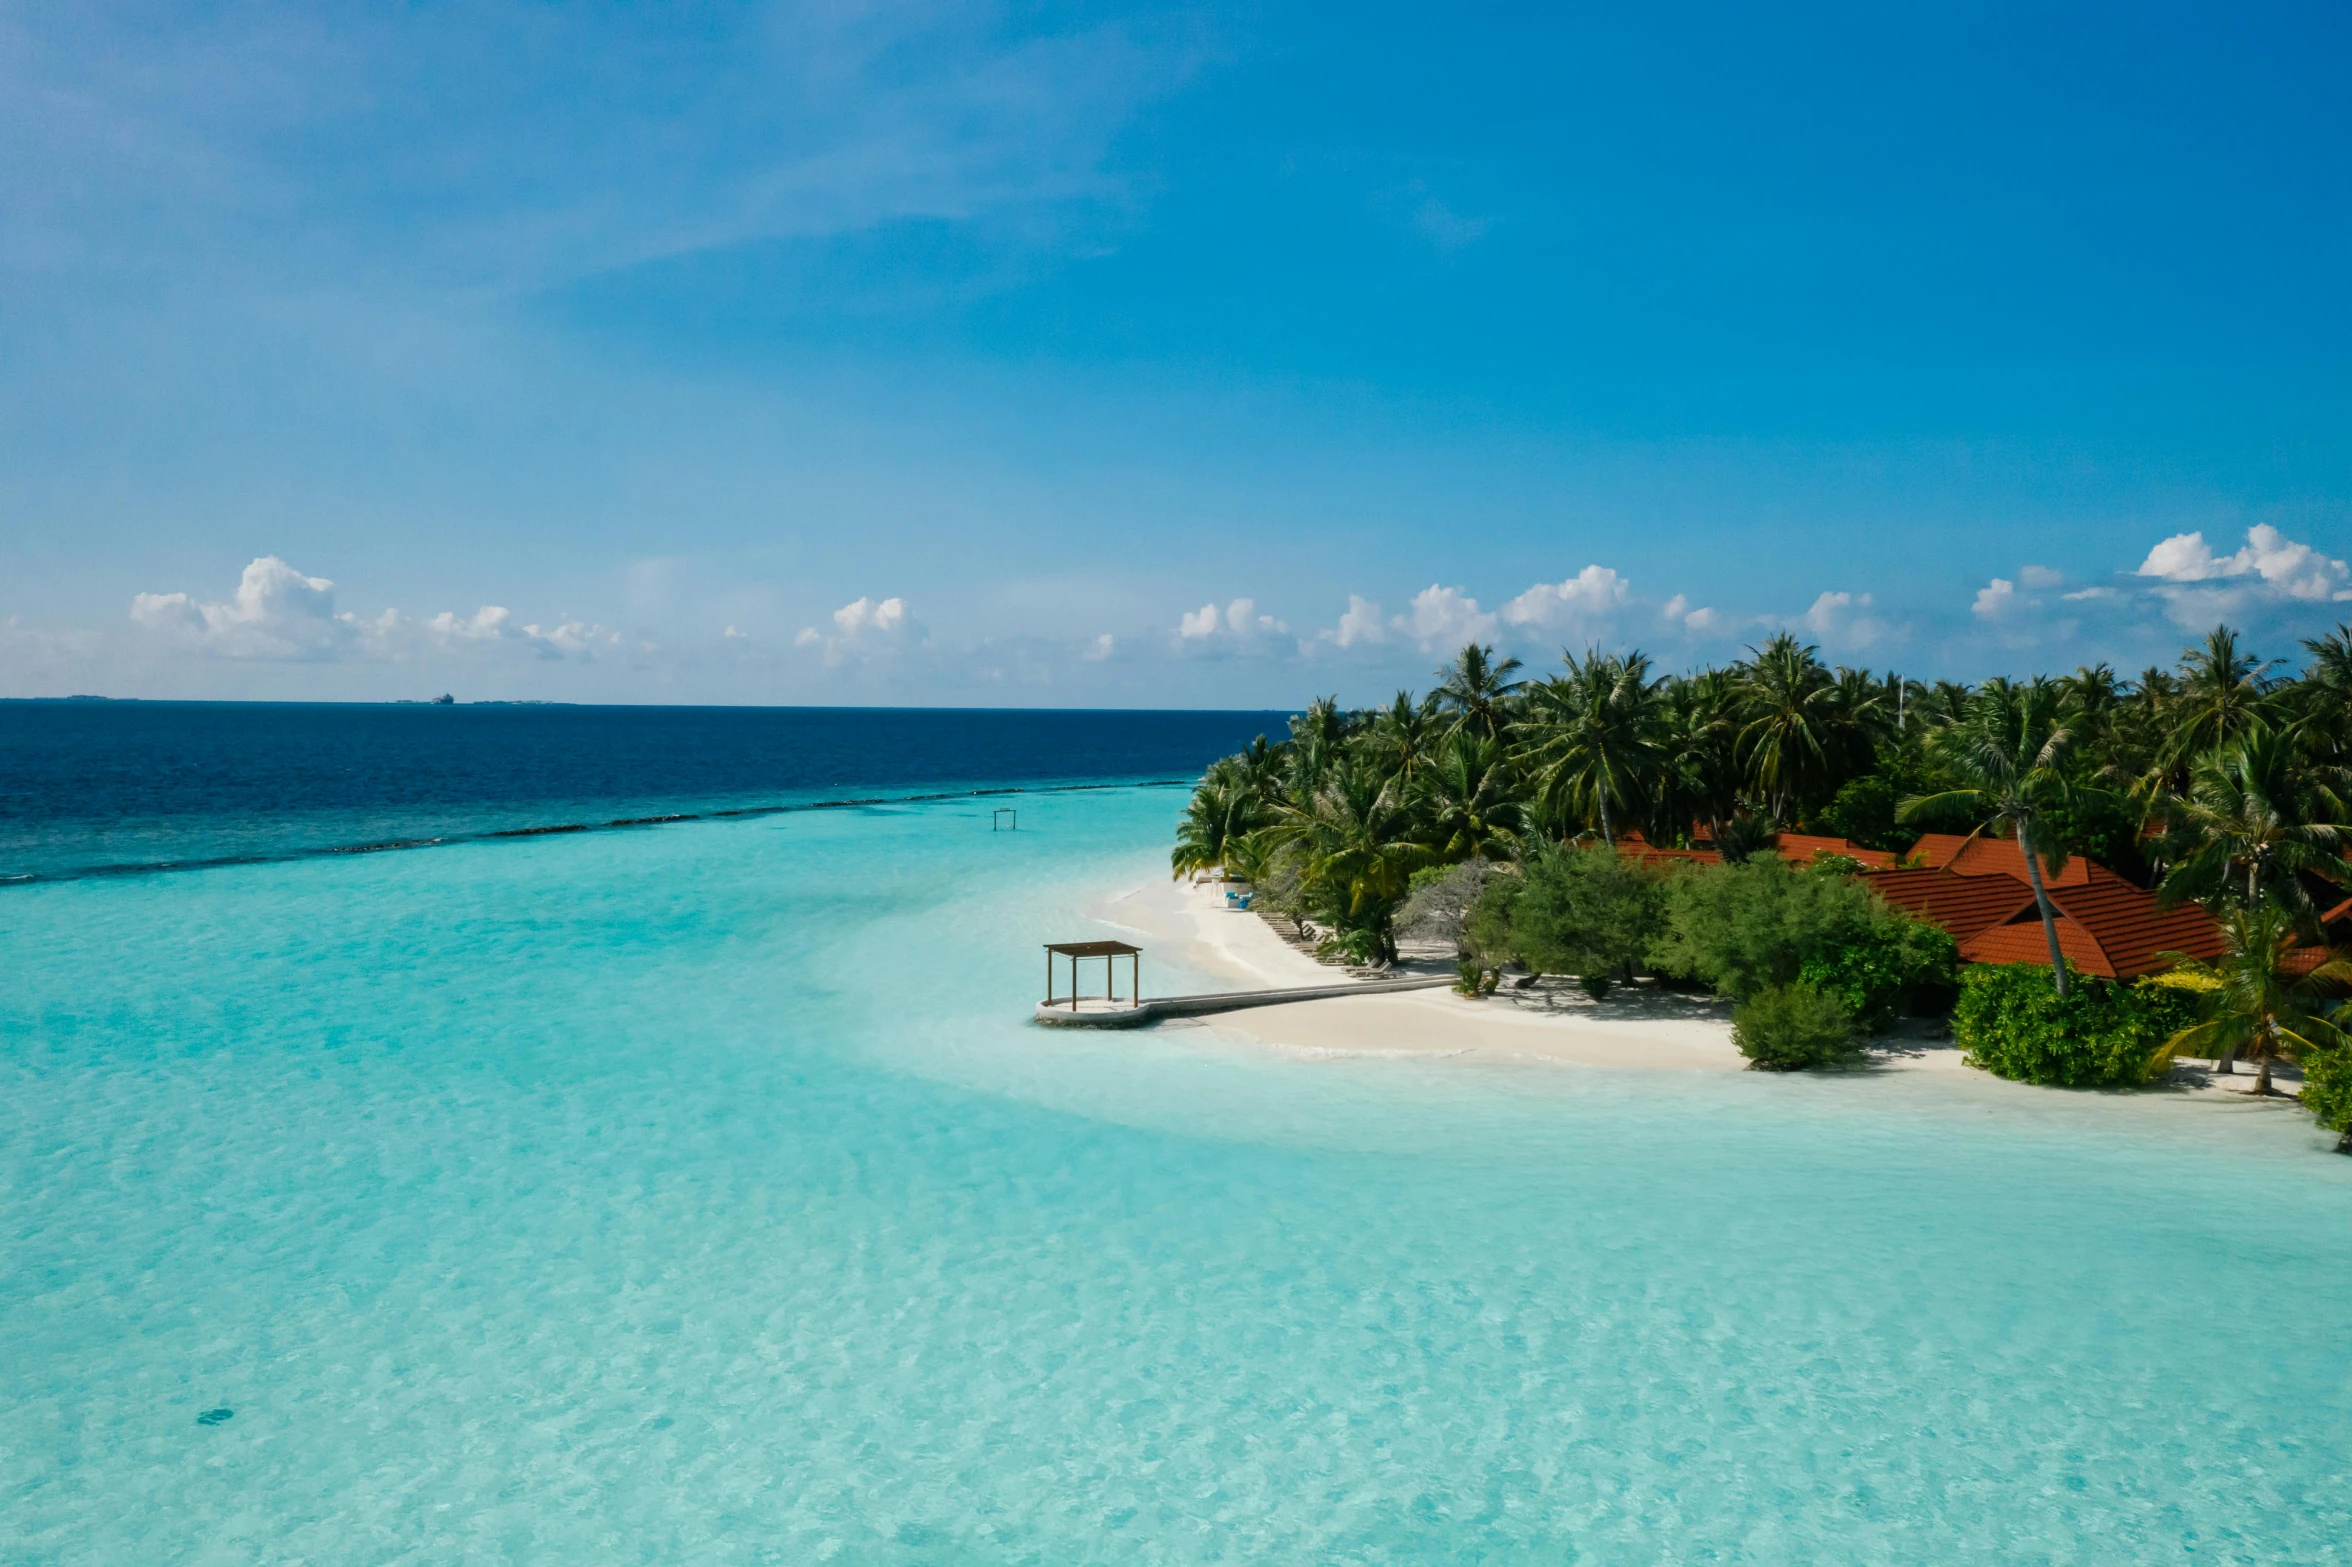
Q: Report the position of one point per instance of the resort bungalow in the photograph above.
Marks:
(1976, 888)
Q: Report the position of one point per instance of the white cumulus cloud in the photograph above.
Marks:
(1442, 617)
(862, 629)
(1362, 626)
(2282, 567)
(1236, 628)
(1584, 603)
(487, 624)
(1844, 622)
(2199, 586)
(276, 613)
(1700, 622)
(1997, 599)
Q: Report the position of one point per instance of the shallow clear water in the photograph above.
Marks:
(699, 1195)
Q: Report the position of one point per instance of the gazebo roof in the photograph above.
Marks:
(1091, 949)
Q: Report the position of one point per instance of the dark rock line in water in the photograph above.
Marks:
(290, 856)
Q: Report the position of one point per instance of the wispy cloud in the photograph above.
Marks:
(511, 149)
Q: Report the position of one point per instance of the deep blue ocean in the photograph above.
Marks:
(114, 786)
(701, 1193)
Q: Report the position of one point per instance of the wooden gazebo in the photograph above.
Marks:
(1110, 952)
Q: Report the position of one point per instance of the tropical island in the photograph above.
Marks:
(2089, 878)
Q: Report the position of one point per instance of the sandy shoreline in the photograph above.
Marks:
(1554, 1025)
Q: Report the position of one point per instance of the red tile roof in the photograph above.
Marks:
(1963, 905)
(1804, 846)
(2106, 926)
(1982, 856)
(1635, 846)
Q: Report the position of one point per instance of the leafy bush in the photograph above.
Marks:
(1789, 1028)
(1486, 928)
(1742, 928)
(1890, 962)
(1588, 912)
(2104, 1034)
(1864, 811)
(2327, 1091)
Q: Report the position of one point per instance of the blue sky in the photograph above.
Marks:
(1149, 356)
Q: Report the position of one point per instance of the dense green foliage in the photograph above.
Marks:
(1741, 929)
(1793, 1028)
(2101, 1034)
(2220, 780)
(2327, 1091)
(1587, 912)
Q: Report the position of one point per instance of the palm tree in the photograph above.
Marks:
(1406, 735)
(1317, 737)
(2223, 693)
(1468, 802)
(2262, 997)
(1866, 717)
(2325, 694)
(1477, 690)
(2256, 819)
(1594, 736)
(2011, 749)
(1221, 812)
(1357, 845)
(1699, 772)
(1794, 740)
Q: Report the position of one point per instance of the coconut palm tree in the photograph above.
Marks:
(1407, 735)
(1699, 771)
(1357, 845)
(1593, 737)
(2324, 696)
(1317, 738)
(2224, 691)
(1794, 738)
(2263, 997)
(2011, 749)
(1221, 812)
(2256, 820)
(1477, 690)
(1468, 800)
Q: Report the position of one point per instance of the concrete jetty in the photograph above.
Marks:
(1095, 1012)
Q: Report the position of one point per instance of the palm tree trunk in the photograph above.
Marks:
(2033, 873)
(2262, 1077)
(1602, 795)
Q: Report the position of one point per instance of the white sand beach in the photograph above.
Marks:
(1555, 1024)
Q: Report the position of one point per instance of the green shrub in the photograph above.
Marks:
(1888, 963)
(1588, 912)
(1741, 928)
(1864, 812)
(1486, 928)
(1789, 1028)
(2104, 1034)
(2327, 1090)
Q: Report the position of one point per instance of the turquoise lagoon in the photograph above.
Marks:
(699, 1194)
